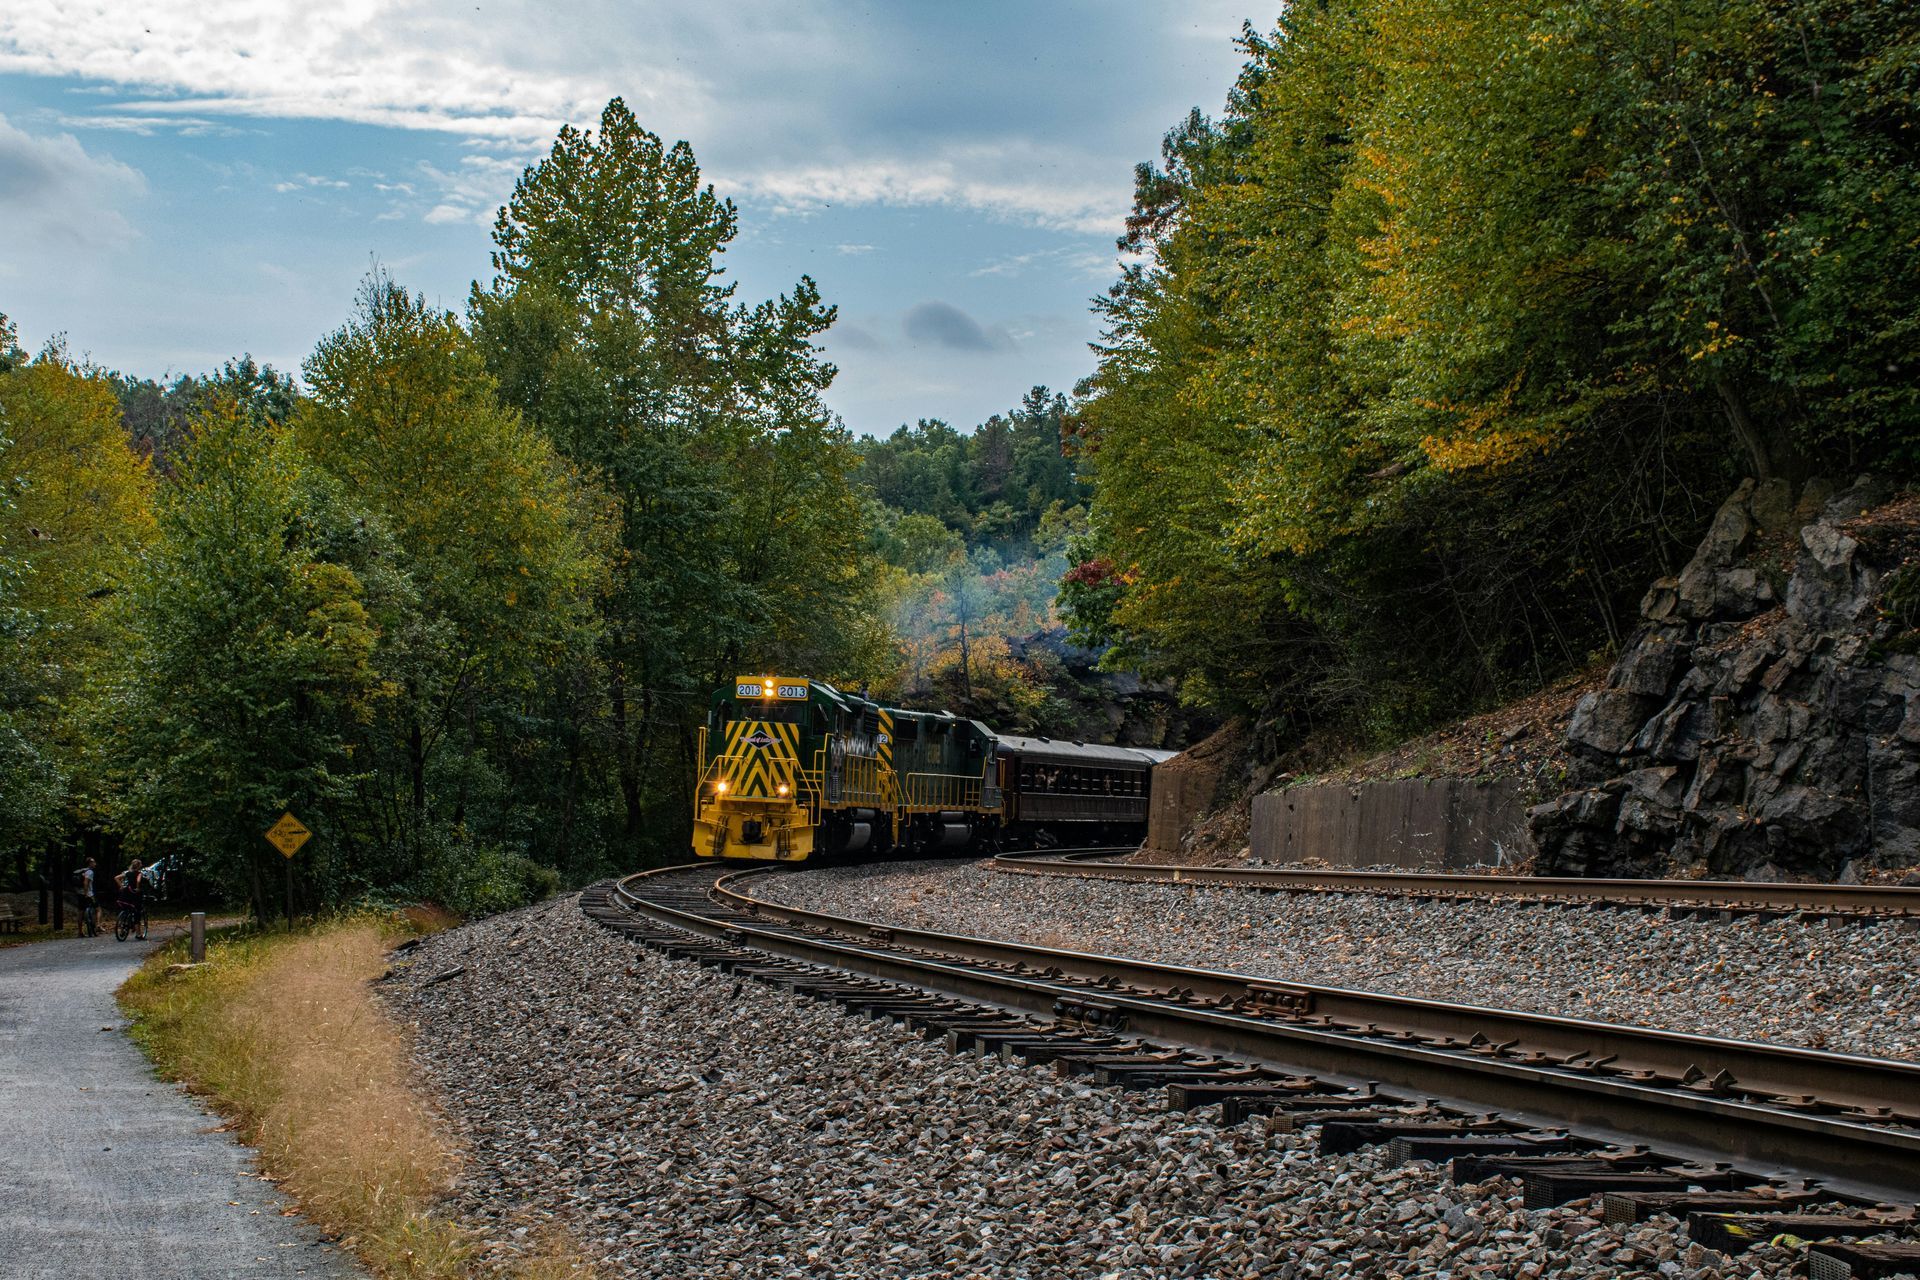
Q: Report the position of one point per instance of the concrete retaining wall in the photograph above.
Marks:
(1441, 823)
(1179, 797)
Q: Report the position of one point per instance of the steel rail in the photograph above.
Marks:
(1728, 895)
(1853, 1120)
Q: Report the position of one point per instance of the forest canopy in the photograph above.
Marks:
(1446, 336)
(457, 597)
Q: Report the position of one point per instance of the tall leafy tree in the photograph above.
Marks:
(75, 511)
(499, 543)
(157, 414)
(249, 673)
(609, 324)
(1403, 347)
(11, 356)
(30, 782)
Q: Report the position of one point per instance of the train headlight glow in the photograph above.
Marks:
(721, 786)
(784, 788)
(766, 686)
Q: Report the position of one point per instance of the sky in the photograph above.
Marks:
(184, 182)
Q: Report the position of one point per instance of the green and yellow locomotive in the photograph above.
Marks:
(793, 769)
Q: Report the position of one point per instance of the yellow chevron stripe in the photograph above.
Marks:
(756, 772)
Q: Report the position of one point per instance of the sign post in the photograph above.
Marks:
(287, 835)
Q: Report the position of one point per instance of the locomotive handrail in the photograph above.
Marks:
(863, 779)
(931, 792)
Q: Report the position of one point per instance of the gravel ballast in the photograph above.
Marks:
(678, 1122)
(1843, 986)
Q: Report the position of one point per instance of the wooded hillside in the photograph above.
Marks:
(1449, 334)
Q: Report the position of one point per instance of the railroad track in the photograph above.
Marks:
(1866, 903)
(1751, 1141)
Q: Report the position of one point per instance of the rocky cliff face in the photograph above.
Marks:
(1765, 718)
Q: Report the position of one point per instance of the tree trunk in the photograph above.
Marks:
(624, 747)
(473, 738)
(417, 767)
(1769, 451)
(255, 892)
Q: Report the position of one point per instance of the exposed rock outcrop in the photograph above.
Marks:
(1765, 718)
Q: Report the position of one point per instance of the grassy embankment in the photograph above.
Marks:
(281, 1034)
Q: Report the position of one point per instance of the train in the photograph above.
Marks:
(793, 769)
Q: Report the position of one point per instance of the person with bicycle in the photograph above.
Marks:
(89, 921)
(133, 904)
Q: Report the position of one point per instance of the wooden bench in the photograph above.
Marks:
(9, 922)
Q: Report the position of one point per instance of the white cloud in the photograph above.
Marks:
(779, 75)
(1064, 260)
(1014, 179)
(149, 125)
(308, 181)
(404, 63)
(54, 192)
(471, 191)
(853, 250)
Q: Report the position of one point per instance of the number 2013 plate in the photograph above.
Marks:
(742, 689)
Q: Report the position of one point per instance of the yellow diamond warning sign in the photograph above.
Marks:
(288, 834)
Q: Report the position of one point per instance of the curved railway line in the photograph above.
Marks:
(1753, 1140)
(1732, 897)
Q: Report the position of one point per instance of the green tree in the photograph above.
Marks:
(11, 356)
(30, 783)
(157, 414)
(1348, 400)
(499, 543)
(249, 676)
(75, 511)
(609, 325)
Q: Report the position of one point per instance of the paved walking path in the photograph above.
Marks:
(106, 1171)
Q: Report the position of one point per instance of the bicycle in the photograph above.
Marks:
(89, 923)
(132, 919)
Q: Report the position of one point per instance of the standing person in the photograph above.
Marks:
(133, 883)
(89, 921)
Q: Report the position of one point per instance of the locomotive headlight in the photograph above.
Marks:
(766, 687)
(721, 786)
(784, 788)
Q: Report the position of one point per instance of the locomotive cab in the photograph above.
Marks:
(791, 769)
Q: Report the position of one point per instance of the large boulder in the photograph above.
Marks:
(1765, 717)
(1607, 721)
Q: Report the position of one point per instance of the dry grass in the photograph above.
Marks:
(281, 1033)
